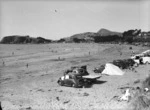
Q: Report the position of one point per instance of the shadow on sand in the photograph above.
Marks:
(99, 82)
(95, 82)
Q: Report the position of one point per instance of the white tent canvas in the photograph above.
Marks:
(111, 69)
(146, 60)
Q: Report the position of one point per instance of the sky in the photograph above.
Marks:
(58, 19)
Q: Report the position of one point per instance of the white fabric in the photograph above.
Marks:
(146, 89)
(126, 96)
(137, 61)
(111, 69)
(146, 60)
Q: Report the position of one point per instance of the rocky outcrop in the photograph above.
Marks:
(16, 39)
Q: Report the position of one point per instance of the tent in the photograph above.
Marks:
(146, 60)
(111, 69)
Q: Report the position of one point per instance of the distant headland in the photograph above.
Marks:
(103, 35)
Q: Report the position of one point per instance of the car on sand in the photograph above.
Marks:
(77, 81)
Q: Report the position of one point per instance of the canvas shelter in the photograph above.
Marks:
(111, 69)
(146, 60)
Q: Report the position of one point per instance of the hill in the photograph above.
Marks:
(17, 39)
(103, 35)
(82, 37)
(105, 32)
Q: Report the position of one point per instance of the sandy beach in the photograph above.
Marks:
(29, 74)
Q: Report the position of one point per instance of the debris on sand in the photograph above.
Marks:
(28, 108)
(89, 53)
(137, 81)
(90, 105)
(141, 98)
(58, 58)
(146, 83)
(114, 97)
(12, 53)
(85, 94)
(126, 96)
(57, 98)
(130, 48)
(3, 63)
(60, 91)
(27, 65)
(41, 90)
(141, 102)
(49, 90)
(146, 89)
(66, 102)
(126, 87)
